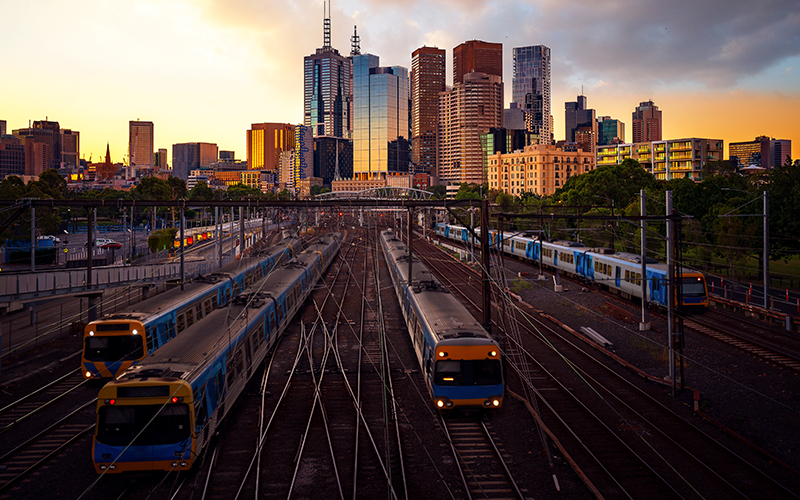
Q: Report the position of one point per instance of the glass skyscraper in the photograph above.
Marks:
(380, 125)
(327, 96)
(530, 89)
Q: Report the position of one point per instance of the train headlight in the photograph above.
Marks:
(492, 354)
(174, 464)
(442, 354)
(442, 402)
(88, 374)
(135, 332)
(102, 467)
(112, 467)
(91, 333)
(492, 402)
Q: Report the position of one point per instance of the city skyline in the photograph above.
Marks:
(204, 71)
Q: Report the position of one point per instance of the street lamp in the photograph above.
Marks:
(765, 216)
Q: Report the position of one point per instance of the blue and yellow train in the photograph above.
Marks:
(460, 361)
(117, 341)
(160, 414)
(617, 271)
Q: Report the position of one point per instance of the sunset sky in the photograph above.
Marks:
(204, 70)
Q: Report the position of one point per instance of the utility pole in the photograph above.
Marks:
(671, 290)
(644, 325)
(766, 250)
(485, 283)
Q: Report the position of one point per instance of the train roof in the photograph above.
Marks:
(445, 315)
(201, 343)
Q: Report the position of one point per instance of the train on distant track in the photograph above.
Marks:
(619, 271)
(160, 414)
(460, 361)
(117, 341)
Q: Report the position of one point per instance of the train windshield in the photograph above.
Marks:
(693, 287)
(113, 348)
(468, 372)
(119, 425)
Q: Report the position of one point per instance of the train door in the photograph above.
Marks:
(555, 258)
(579, 264)
(618, 276)
(537, 250)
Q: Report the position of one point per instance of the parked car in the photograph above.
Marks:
(50, 237)
(112, 244)
(100, 242)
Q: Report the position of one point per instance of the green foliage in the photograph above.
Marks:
(243, 192)
(784, 209)
(201, 192)
(439, 191)
(471, 191)
(315, 190)
(161, 239)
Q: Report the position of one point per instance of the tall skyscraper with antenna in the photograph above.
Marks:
(327, 88)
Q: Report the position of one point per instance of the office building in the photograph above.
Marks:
(48, 155)
(70, 147)
(666, 159)
(303, 158)
(478, 57)
(3, 126)
(227, 156)
(530, 89)
(506, 140)
(160, 159)
(192, 156)
(333, 159)
(265, 142)
(327, 95)
(541, 169)
(12, 156)
(760, 152)
(646, 123)
(140, 144)
(610, 131)
(577, 115)
(380, 128)
(466, 112)
(514, 117)
(427, 81)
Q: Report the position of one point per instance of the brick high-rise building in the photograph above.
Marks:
(646, 122)
(466, 112)
(477, 56)
(427, 81)
(265, 142)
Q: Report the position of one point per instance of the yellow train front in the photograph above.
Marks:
(466, 373)
(112, 346)
(144, 424)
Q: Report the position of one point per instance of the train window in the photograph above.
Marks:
(627, 275)
(199, 311)
(116, 348)
(149, 424)
(181, 323)
(189, 318)
(447, 372)
(207, 305)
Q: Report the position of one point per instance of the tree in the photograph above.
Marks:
(317, 190)
(784, 209)
(201, 192)
(471, 191)
(242, 192)
(439, 191)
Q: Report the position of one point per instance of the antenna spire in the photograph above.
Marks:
(355, 42)
(327, 26)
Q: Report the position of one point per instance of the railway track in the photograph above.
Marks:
(484, 471)
(757, 340)
(613, 428)
(318, 434)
